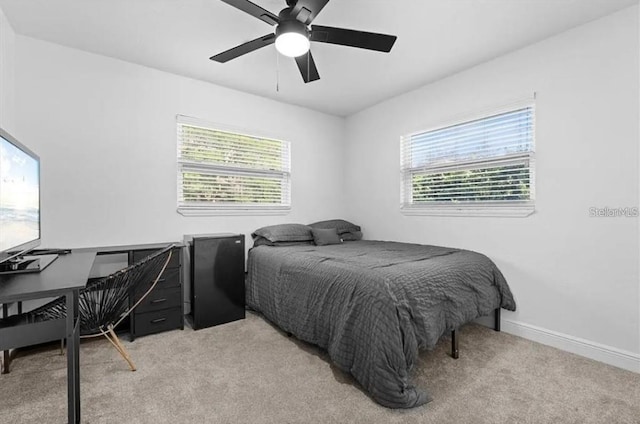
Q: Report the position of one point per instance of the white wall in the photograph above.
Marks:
(7, 51)
(571, 274)
(106, 132)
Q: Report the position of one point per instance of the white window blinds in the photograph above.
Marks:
(481, 164)
(221, 170)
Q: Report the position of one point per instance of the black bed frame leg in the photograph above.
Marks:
(496, 325)
(454, 345)
(5, 355)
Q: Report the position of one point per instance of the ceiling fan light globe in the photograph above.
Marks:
(292, 44)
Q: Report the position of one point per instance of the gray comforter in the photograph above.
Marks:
(372, 305)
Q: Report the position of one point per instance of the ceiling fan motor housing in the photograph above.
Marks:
(285, 27)
(292, 38)
(289, 23)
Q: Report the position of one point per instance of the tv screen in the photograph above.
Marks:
(19, 197)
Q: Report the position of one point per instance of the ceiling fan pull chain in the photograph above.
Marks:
(277, 71)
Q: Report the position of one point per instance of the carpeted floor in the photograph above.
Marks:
(250, 372)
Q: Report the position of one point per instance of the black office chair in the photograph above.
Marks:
(106, 302)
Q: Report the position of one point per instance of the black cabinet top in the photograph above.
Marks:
(189, 237)
(128, 247)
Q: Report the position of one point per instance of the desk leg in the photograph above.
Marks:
(73, 357)
(6, 354)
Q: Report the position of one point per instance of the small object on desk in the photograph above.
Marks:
(38, 252)
(26, 263)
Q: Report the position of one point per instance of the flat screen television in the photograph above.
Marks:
(19, 206)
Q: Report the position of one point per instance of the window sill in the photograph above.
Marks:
(232, 212)
(486, 211)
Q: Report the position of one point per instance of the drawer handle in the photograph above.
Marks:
(161, 280)
(158, 300)
(157, 321)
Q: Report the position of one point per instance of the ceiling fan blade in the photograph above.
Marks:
(254, 10)
(307, 67)
(244, 48)
(352, 38)
(306, 10)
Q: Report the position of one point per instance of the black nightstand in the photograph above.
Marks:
(217, 278)
(163, 308)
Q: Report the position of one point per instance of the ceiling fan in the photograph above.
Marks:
(294, 33)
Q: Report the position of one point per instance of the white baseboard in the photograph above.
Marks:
(592, 350)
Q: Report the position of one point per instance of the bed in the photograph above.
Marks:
(373, 304)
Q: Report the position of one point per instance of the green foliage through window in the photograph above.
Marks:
(226, 169)
(485, 161)
(228, 149)
(504, 183)
(236, 189)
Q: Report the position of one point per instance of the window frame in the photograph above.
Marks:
(214, 209)
(477, 209)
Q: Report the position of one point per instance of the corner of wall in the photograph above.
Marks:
(7, 72)
(638, 33)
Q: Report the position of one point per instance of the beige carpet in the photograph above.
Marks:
(250, 372)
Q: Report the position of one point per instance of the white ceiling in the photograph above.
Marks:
(436, 38)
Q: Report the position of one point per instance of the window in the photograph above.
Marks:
(479, 167)
(227, 171)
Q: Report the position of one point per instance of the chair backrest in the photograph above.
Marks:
(107, 301)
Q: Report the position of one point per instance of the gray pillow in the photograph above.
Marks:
(351, 236)
(323, 237)
(339, 224)
(284, 232)
(261, 241)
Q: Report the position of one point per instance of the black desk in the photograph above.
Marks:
(64, 277)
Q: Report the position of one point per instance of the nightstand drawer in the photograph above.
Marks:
(161, 299)
(169, 278)
(156, 322)
(174, 262)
